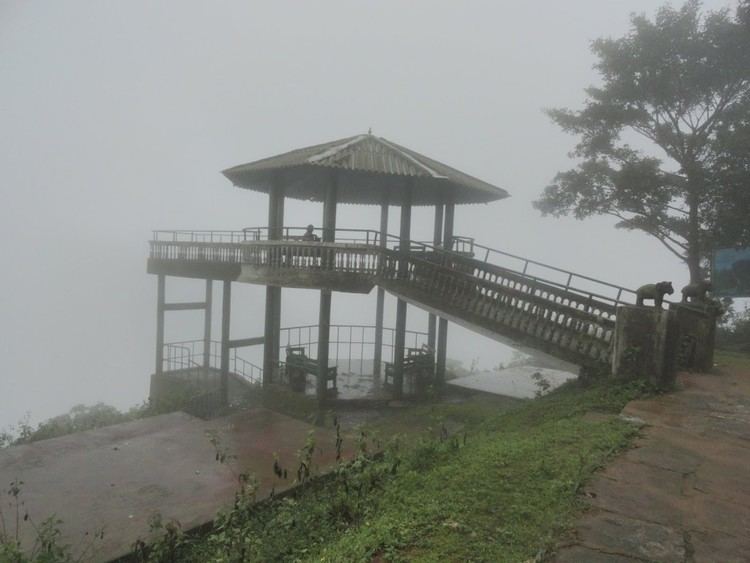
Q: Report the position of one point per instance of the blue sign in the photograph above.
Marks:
(731, 272)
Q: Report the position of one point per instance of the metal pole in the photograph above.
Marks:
(437, 239)
(160, 289)
(324, 317)
(207, 325)
(442, 336)
(226, 306)
(404, 246)
(380, 305)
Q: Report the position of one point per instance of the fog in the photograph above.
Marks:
(117, 118)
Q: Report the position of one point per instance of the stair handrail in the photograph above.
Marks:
(425, 246)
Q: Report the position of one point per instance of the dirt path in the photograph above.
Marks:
(683, 493)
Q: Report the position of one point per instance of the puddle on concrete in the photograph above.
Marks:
(521, 382)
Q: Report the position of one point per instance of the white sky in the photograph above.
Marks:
(116, 118)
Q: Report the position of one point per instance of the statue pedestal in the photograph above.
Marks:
(644, 344)
(696, 334)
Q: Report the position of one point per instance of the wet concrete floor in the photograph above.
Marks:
(114, 478)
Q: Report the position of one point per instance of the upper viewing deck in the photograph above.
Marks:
(353, 257)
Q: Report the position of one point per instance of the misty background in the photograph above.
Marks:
(117, 118)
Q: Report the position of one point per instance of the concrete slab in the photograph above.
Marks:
(115, 478)
(518, 382)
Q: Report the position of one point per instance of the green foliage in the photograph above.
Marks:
(682, 83)
(80, 418)
(47, 547)
(733, 333)
(501, 490)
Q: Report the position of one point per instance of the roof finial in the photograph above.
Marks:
(369, 131)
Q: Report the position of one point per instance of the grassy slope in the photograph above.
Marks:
(504, 495)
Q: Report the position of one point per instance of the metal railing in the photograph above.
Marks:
(225, 246)
(350, 345)
(189, 355)
(570, 325)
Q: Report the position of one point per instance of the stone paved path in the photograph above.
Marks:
(683, 493)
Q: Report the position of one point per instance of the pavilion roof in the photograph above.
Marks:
(367, 168)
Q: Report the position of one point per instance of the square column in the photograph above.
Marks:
(207, 324)
(272, 325)
(226, 307)
(380, 305)
(324, 317)
(437, 240)
(399, 345)
(442, 336)
(160, 302)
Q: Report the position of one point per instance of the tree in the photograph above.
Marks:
(681, 83)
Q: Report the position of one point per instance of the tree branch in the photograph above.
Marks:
(656, 235)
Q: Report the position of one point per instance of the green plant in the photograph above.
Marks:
(47, 546)
(542, 384)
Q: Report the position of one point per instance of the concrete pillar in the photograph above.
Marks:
(272, 325)
(437, 240)
(324, 317)
(442, 336)
(207, 324)
(399, 345)
(380, 305)
(226, 307)
(695, 324)
(268, 342)
(644, 344)
(324, 327)
(160, 300)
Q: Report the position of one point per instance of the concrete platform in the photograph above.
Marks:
(115, 478)
(517, 382)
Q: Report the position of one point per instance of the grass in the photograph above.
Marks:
(503, 489)
(733, 358)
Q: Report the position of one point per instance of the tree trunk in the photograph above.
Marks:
(693, 260)
(694, 253)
